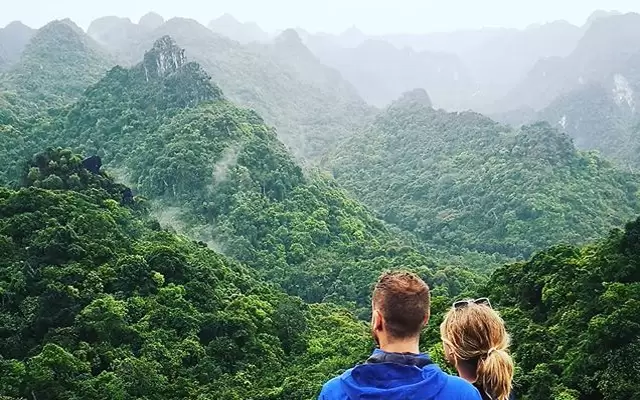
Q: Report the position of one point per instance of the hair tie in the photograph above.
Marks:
(491, 350)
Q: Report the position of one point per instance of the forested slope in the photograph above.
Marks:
(573, 316)
(462, 181)
(310, 105)
(99, 303)
(219, 173)
(58, 63)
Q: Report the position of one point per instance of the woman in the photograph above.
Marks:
(476, 343)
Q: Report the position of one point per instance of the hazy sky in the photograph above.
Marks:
(371, 16)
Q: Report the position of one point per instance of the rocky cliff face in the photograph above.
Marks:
(163, 59)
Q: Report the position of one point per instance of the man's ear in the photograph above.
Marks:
(425, 321)
(377, 321)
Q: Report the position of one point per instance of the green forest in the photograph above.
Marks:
(463, 181)
(161, 240)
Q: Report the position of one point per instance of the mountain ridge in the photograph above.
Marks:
(13, 39)
(281, 81)
(78, 62)
(457, 180)
(215, 170)
(612, 39)
(247, 32)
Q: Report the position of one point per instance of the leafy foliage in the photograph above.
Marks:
(573, 317)
(97, 302)
(462, 181)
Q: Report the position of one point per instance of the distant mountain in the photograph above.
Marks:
(13, 39)
(597, 117)
(500, 63)
(311, 106)
(115, 33)
(381, 72)
(496, 59)
(151, 21)
(461, 69)
(352, 37)
(462, 181)
(418, 97)
(605, 51)
(230, 27)
(600, 14)
(58, 64)
(593, 93)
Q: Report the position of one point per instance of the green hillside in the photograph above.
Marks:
(573, 313)
(206, 263)
(218, 173)
(310, 105)
(99, 303)
(57, 65)
(462, 181)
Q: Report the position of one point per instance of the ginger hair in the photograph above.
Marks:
(403, 299)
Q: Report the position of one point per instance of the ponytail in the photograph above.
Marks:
(495, 373)
(476, 339)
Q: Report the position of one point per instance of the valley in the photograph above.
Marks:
(200, 212)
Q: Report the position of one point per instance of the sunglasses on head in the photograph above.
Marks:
(482, 301)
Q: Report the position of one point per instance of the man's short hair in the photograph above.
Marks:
(403, 299)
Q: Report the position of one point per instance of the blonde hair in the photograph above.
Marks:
(476, 334)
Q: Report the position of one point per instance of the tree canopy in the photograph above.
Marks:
(573, 312)
(98, 302)
(462, 181)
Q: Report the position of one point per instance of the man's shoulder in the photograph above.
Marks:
(458, 388)
(332, 390)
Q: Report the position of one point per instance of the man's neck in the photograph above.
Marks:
(401, 346)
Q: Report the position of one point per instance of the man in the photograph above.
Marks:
(397, 370)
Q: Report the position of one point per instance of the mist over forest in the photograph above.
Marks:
(193, 211)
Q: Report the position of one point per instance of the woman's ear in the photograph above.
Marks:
(449, 355)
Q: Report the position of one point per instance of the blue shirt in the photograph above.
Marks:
(418, 379)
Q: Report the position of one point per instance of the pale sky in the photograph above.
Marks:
(371, 16)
